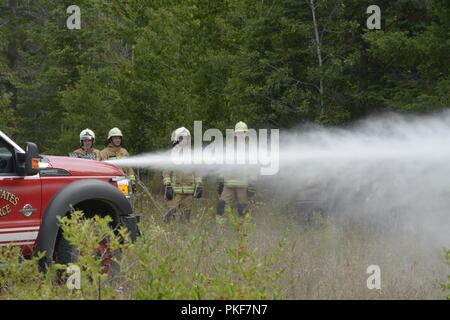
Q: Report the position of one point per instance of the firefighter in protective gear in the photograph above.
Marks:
(235, 188)
(181, 186)
(114, 150)
(87, 143)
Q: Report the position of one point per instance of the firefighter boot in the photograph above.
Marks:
(220, 219)
(242, 209)
(220, 207)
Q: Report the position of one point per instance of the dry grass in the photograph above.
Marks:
(269, 256)
(325, 261)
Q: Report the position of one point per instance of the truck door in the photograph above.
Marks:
(20, 201)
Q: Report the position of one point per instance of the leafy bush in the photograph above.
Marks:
(98, 247)
(197, 261)
(266, 256)
(21, 278)
(213, 262)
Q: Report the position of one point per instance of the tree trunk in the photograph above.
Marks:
(318, 51)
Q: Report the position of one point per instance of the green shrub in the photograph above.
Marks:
(21, 278)
(85, 235)
(202, 262)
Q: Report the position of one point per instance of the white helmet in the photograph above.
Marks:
(240, 127)
(87, 134)
(180, 132)
(114, 132)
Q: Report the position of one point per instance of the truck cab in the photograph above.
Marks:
(36, 189)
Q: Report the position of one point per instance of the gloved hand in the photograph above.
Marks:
(220, 186)
(168, 194)
(251, 191)
(198, 191)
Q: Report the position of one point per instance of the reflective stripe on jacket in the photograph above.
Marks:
(181, 182)
(83, 153)
(235, 181)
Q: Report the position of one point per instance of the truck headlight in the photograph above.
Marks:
(123, 184)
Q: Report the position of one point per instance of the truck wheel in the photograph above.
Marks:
(65, 253)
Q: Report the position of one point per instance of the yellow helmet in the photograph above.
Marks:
(114, 132)
(240, 127)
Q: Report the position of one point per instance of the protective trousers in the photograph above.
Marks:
(231, 196)
(181, 202)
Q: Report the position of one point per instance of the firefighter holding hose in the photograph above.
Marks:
(181, 187)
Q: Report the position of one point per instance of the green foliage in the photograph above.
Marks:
(165, 263)
(87, 235)
(88, 101)
(243, 275)
(151, 66)
(266, 256)
(21, 278)
(7, 115)
(203, 265)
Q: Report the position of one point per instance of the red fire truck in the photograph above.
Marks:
(35, 189)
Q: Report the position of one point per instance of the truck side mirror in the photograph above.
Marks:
(28, 163)
(31, 159)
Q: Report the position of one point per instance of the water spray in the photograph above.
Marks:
(382, 166)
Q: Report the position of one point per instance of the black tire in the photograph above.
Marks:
(65, 253)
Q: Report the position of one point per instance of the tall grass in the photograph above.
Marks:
(446, 286)
(265, 256)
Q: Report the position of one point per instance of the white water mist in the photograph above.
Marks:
(384, 167)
